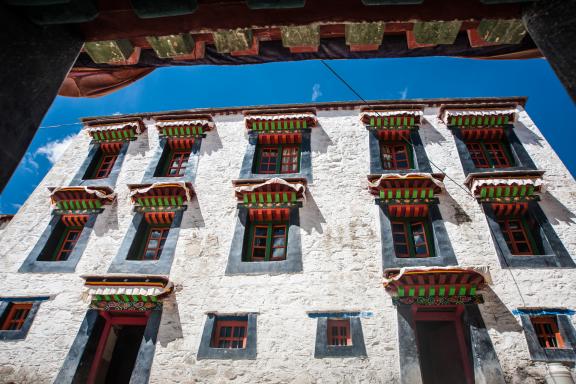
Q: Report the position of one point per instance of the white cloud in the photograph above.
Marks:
(29, 164)
(54, 149)
(16, 206)
(403, 93)
(116, 113)
(316, 92)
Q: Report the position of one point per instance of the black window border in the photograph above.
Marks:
(521, 158)
(160, 157)
(89, 164)
(443, 251)
(537, 352)
(131, 243)
(292, 263)
(22, 332)
(419, 156)
(251, 158)
(33, 265)
(555, 254)
(323, 350)
(206, 352)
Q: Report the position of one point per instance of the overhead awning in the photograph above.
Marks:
(126, 292)
(81, 198)
(271, 193)
(184, 126)
(436, 285)
(502, 187)
(410, 188)
(391, 119)
(161, 196)
(478, 117)
(115, 130)
(280, 121)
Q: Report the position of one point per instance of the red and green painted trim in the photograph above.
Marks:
(120, 305)
(256, 198)
(436, 290)
(123, 134)
(406, 194)
(483, 121)
(394, 122)
(79, 205)
(279, 125)
(438, 300)
(183, 131)
(160, 201)
(509, 192)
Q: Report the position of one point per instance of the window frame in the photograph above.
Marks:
(8, 319)
(323, 349)
(565, 328)
(511, 242)
(395, 143)
(270, 226)
(181, 164)
(487, 154)
(164, 232)
(539, 322)
(59, 250)
(409, 236)
(260, 148)
(102, 163)
(339, 340)
(206, 351)
(233, 324)
(22, 332)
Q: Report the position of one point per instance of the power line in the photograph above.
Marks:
(59, 125)
(440, 169)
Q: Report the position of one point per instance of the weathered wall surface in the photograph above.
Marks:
(341, 257)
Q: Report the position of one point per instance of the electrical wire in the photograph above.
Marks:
(349, 86)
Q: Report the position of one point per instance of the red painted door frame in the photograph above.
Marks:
(453, 316)
(113, 318)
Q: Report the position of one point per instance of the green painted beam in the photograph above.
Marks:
(171, 45)
(227, 41)
(300, 36)
(110, 51)
(364, 33)
(436, 32)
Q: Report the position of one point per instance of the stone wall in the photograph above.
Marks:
(341, 257)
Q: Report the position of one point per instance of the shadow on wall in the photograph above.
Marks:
(192, 217)
(310, 216)
(496, 315)
(555, 211)
(108, 220)
(526, 136)
(171, 327)
(456, 215)
(140, 145)
(211, 143)
(429, 134)
(319, 140)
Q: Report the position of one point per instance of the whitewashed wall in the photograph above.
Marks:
(341, 258)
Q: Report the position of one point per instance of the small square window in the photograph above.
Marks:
(546, 328)
(339, 333)
(395, 155)
(490, 154)
(68, 241)
(155, 240)
(412, 238)
(267, 241)
(177, 163)
(519, 235)
(230, 334)
(16, 315)
(278, 159)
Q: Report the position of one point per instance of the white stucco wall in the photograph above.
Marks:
(342, 265)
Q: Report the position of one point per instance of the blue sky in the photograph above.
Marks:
(299, 82)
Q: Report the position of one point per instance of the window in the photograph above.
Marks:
(486, 154)
(268, 242)
(105, 166)
(546, 328)
(156, 238)
(230, 334)
(518, 236)
(16, 316)
(278, 159)
(177, 164)
(339, 333)
(411, 238)
(67, 243)
(395, 155)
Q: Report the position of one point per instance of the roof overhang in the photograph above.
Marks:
(115, 129)
(406, 188)
(508, 186)
(81, 198)
(270, 193)
(161, 196)
(184, 125)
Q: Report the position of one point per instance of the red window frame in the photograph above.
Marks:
(339, 333)
(178, 163)
(230, 334)
(546, 328)
(157, 250)
(105, 166)
(279, 159)
(488, 154)
(408, 237)
(393, 150)
(270, 241)
(67, 243)
(17, 314)
(516, 236)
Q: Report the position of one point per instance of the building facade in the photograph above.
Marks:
(412, 241)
